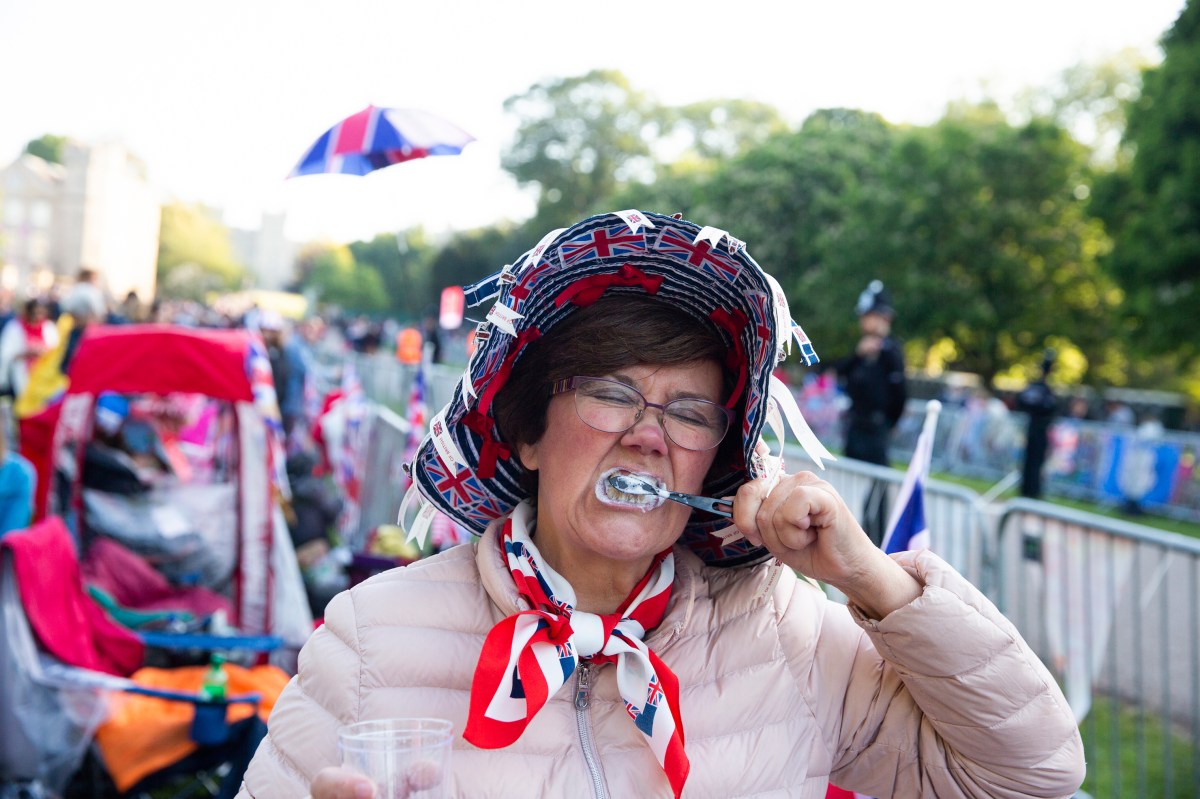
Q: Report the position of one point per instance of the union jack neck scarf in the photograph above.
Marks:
(530, 655)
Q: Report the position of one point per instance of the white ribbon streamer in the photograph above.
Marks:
(418, 530)
(808, 440)
(783, 316)
(442, 441)
(503, 317)
(535, 255)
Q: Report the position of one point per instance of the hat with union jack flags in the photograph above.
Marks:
(466, 470)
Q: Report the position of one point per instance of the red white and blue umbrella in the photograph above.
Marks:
(378, 137)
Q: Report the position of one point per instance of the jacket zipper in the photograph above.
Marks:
(583, 699)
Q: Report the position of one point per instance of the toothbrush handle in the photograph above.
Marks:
(717, 507)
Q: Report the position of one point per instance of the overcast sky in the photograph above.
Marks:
(221, 98)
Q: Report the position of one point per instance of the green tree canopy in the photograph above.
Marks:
(1089, 100)
(580, 140)
(697, 140)
(337, 280)
(978, 229)
(192, 236)
(788, 199)
(1152, 208)
(593, 143)
(473, 255)
(402, 264)
(48, 147)
(715, 129)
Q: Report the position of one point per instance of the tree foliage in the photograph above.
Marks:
(191, 236)
(580, 140)
(1089, 101)
(335, 277)
(788, 200)
(475, 254)
(1152, 208)
(977, 228)
(590, 142)
(48, 147)
(715, 129)
(402, 264)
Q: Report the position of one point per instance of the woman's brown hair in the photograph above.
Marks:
(617, 330)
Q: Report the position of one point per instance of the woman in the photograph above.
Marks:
(22, 341)
(597, 642)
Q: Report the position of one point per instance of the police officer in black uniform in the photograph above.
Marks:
(873, 378)
(1038, 401)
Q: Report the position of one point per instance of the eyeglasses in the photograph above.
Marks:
(613, 407)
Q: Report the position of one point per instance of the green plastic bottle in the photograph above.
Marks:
(215, 679)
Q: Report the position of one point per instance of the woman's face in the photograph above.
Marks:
(576, 513)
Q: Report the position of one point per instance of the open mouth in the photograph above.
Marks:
(611, 496)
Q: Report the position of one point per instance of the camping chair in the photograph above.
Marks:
(184, 623)
(50, 710)
(233, 504)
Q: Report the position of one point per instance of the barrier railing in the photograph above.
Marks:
(953, 514)
(388, 382)
(383, 477)
(1114, 609)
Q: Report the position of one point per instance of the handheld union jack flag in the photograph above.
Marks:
(907, 528)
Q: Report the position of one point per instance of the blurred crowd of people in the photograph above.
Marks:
(305, 356)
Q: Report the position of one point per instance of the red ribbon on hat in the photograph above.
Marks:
(586, 290)
(480, 422)
(733, 322)
(490, 449)
(497, 381)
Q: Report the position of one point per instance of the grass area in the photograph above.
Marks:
(1122, 769)
(1190, 529)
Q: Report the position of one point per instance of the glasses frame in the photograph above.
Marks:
(571, 383)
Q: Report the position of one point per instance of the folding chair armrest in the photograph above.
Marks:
(131, 617)
(209, 642)
(252, 698)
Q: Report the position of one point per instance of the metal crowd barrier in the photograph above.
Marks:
(1114, 609)
(953, 514)
(388, 382)
(383, 477)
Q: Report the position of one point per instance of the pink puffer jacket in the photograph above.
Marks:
(780, 691)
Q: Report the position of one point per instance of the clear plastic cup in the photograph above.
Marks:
(405, 758)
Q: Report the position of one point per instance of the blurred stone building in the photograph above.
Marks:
(97, 209)
(266, 252)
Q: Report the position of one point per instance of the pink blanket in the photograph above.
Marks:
(68, 623)
(133, 583)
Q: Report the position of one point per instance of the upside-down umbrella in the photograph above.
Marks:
(378, 137)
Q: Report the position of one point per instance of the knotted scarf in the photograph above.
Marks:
(530, 655)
